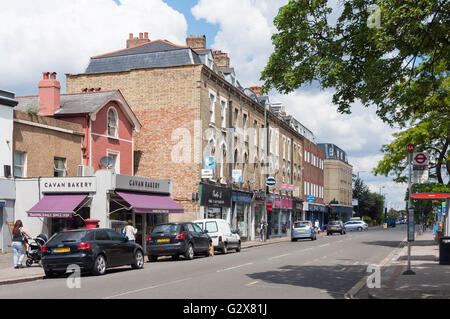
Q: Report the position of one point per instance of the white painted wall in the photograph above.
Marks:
(6, 137)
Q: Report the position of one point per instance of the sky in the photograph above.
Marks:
(60, 36)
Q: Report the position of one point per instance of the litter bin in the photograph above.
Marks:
(444, 251)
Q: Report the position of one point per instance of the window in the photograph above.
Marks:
(212, 101)
(116, 160)
(244, 124)
(197, 229)
(255, 128)
(284, 147)
(211, 227)
(19, 164)
(59, 166)
(112, 122)
(114, 235)
(223, 117)
(236, 115)
(289, 150)
(101, 235)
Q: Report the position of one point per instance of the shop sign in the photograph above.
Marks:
(287, 187)
(207, 173)
(277, 203)
(50, 215)
(68, 185)
(237, 175)
(269, 206)
(142, 184)
(286, 203)
(299, 206)
(241, 198)
(215, 196)
(209, 162)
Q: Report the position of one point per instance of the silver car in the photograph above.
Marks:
(356, 225)
(303, 229)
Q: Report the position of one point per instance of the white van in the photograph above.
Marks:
(220, 232)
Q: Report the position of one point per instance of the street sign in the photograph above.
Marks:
(410, 148)
(411, 224)
(310, 198)
(207, 173)
(420, 159)
(270, 181)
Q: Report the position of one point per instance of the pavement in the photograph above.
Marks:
(430, 281)
(10, 275)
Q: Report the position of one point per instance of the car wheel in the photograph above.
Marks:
(29, 262)
(238, 249)
(138, 260)
(312, 238)
(99, 266)
(152, 258)
(293, 239)
(189, 252)
(225, 249)
(360, 229)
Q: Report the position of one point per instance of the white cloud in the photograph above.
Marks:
(60, 36)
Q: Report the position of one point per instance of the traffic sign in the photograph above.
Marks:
(410, 148)
(420, 159)
(270, 181)
(310, 198)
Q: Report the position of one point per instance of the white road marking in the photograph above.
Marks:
(278, 256)
(235, 267)
(147, 288)
(324, 245)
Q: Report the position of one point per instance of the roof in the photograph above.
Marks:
(159, 53)
(81, 103)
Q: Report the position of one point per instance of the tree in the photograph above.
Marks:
(399, 64)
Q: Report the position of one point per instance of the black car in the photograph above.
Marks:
(93, 250)
(335, 226)
(175, 239)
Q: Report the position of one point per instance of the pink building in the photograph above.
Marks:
(107, 119)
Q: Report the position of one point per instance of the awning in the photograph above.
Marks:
(151, 204)
(56, 205)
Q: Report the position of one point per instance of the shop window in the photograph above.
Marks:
(112, 122)
(19, 164)
(59, 167)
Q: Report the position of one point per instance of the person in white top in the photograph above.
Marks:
(130, 231)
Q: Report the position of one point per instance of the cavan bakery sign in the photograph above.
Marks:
(68, 185)
(141, 184)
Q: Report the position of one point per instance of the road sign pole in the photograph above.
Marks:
(410, 222)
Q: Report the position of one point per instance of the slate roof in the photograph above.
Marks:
(80, 103)
(157, 53)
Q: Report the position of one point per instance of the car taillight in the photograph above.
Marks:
(149, 238)
(44, 248)
(84, 246)
(181, 236)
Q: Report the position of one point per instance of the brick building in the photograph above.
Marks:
(187, 99)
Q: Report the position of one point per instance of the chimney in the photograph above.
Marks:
(132, 42)
(221, 59)
(196, 42)
(49, 94)
(256, 90)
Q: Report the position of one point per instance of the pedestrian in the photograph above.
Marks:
(317, 225)
(261, 229)
(129, 231)
(20, 236)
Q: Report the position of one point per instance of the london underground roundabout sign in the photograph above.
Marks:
(420, 159)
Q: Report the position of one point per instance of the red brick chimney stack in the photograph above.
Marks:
(256, 90)
(132, 42)
(49, 94)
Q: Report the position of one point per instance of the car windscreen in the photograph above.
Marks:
(169, 228)
(300, 224)
(211, 227)
(68, 237)
(334, 223)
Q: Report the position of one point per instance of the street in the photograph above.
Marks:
(326, 268)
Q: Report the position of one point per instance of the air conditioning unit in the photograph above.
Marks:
(84, 170)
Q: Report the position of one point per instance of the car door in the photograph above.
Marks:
(190, 232)
(203, 238)
(122, 250)
(105, 245)
(231, 238)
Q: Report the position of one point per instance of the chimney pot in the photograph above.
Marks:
(45, 75)
(140, 35)
(131, 36)
(145, 35)
(53, 75)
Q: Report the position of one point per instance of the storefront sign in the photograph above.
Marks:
(207, 173)
(68, 185)
(269, 206)
(286, 203)
(51, 215)
(298, 206)
(209, 162)
(277, 203)
(142, 184)
(215, 196)
(287, 187)
(237, 175)
(241, 198)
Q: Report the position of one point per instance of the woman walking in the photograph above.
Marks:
(130, 231)
(19, 237)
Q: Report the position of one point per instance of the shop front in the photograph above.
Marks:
(242, 218)
(313, 211)
(112, 199)
(341, 212)
(297, 210)
(215, 202)
(279, 219)
(257, 208)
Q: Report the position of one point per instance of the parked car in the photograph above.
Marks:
(93, 250)
(356, 225)
(221, 234)
(175, 239)
(336, 226)
(303, 229)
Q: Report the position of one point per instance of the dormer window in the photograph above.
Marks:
(112, 122)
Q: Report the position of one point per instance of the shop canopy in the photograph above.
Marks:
(57, 205)
(151, 204)
(430, 196)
